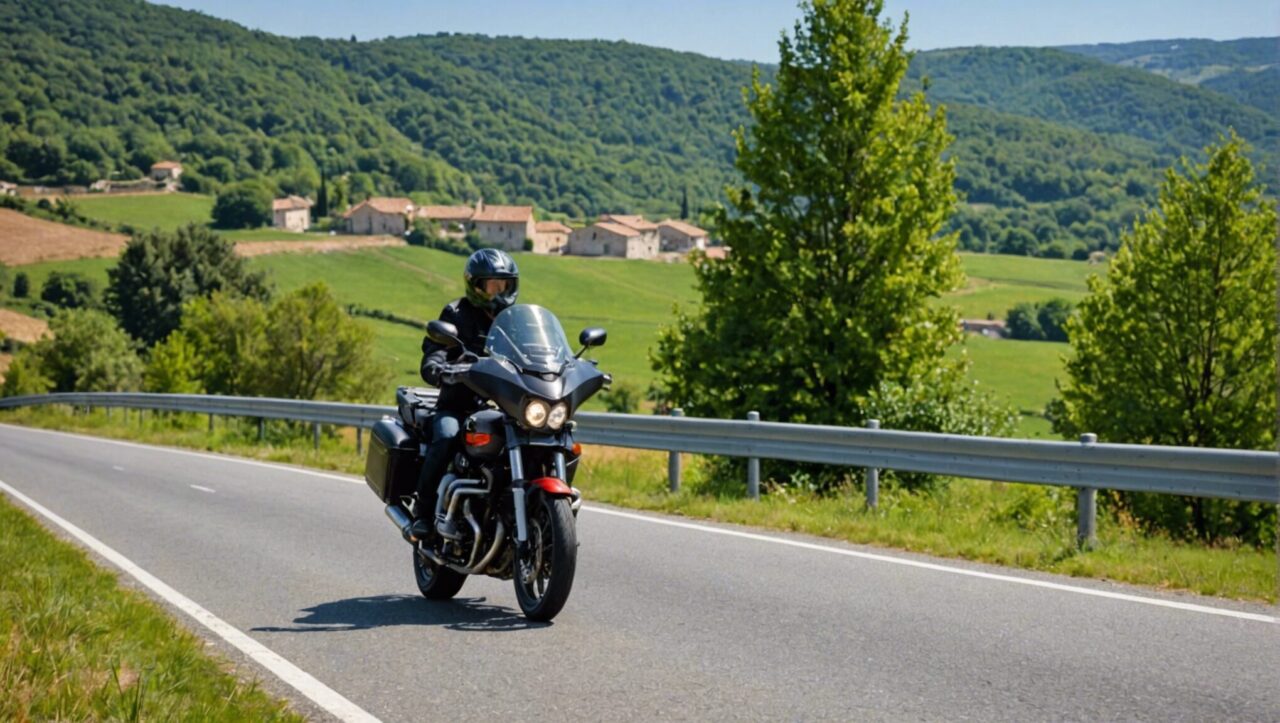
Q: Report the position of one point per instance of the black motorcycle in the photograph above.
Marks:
(508, 491)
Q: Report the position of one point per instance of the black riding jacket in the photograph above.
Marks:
(473, 327)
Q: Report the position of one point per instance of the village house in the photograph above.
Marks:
(550, 237)
(451, 221)
(647, 229)
(292, 213)
(380, 215)
(8, 189)
(681, 237)
(606, 238)
(166, 171)
(506, 227)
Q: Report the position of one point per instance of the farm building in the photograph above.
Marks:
(166, 171)
(380, 215)
(605, 238)
(550, 237)
(292, 213)
(680, 237)
(505, 227)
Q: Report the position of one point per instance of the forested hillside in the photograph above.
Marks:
(1247, 69)
(1055, 152)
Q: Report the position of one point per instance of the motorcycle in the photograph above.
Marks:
(508, 490)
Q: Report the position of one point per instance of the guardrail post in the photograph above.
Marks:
(210, 423)
(359, 441)
(673, 460)
(873, 475)
(753, 466)
(315, 435)
(1087, 506)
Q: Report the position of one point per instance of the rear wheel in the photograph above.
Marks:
(435, 581)
(544, 576)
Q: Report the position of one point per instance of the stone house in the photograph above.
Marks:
(165, 171)
(550, 237)
(606, 238)
(680, 237)
(504, 227)
(292, 213)
(380, 215)
(648, 229)
(452, 221)
(8, 189)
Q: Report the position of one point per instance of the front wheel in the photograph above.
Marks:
(544, 576)
(436, 582)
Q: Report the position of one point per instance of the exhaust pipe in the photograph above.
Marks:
(401, 520)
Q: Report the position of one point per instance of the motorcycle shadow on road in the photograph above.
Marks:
(381, 611)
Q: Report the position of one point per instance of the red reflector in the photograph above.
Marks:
(577, 450)
(478, 439)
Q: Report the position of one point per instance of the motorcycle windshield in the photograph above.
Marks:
(529, 337)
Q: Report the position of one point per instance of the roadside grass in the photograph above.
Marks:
(75, 645)
(166, 211)
(1015, 525)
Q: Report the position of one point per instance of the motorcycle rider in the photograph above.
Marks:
(492, 282)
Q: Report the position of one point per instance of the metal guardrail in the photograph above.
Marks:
(1221, 473)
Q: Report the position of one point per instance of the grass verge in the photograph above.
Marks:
(74, 645)
(1015, 525)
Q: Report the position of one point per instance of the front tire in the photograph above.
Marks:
(436, 582)
(544, 577)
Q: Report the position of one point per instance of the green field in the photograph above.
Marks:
(632, 299)
(165, 211)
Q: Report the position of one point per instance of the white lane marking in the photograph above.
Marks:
(750, 536)
(189, 453)
(202, 489)
(117, 468)
(319, 693)
(944, 568)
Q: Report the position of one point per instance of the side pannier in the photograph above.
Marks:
(391, 469)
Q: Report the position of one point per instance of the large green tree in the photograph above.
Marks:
(824, 301)
(160, 271)
(242, 205)
(1178, 345)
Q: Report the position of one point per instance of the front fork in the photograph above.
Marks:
(519, 488)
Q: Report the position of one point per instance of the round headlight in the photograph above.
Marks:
(535, 413)
(559, 413)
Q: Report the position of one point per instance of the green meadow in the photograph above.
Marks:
(165, 211)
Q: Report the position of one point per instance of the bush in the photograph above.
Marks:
(1039, 321)
(87, 352)
(621, 398)
(21, 285)
(242, 205)
(69, 290)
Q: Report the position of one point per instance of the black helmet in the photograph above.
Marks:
(488, 264)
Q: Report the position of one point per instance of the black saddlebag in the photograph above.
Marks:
(416, 405)
(391, 469)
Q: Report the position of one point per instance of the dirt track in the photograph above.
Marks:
(258, 248)
(27, 240)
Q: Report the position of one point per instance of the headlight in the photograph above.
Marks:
(559, 413)
(535, 413)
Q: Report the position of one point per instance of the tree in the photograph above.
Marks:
(1178, 345)
(21, 285)
(173, 367)
(159, 271)
(229, 338)
(69, 290)
(242, 205)
(837, 251)
(86, 352)
(1023, 323)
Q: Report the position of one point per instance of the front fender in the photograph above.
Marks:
(552, 486)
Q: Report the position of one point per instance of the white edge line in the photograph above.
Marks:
(1191, 607)
(202, 489)
(319, 693)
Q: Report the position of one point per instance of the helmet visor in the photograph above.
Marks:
(492, 288)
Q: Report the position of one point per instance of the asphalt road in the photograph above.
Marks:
(665, 621)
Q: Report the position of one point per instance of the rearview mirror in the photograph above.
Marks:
(444, 333)
(592, 336)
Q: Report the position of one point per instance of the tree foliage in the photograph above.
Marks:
(1178, 345)
(836, 250)
(160, 271)
(242, 205)
(69, 290)
(302, 346)
(86, 352)
(1040, 320)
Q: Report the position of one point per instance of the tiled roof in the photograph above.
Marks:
(551, 227)
(382, 204)
(504, 214)
(290, 203)
(164, 165)
(636, 222)
(617, 228)
(446, 213)
(687, 229)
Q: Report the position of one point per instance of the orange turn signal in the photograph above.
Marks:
(577, 450)
(478, 439)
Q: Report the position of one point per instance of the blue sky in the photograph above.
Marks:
(749, 29)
